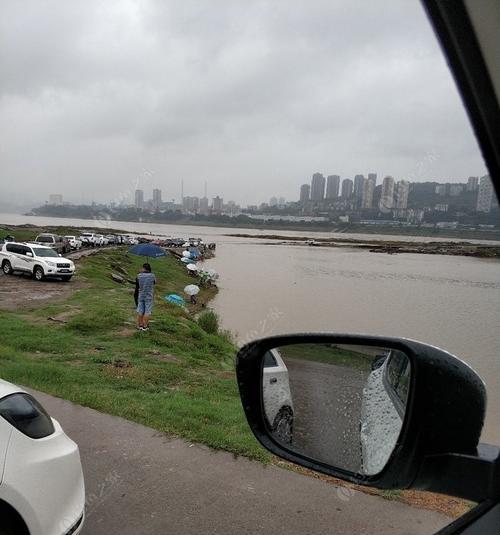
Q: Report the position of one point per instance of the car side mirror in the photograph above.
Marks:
(383, 412)
(29, 254)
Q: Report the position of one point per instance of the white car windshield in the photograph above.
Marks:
(50, 253)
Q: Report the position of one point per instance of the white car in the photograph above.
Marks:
(42, 489)
(74, 242)
(383, 409)
(40, 261)
(89, 239)
(278, 403)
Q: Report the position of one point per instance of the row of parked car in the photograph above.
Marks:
(43, 258)
(65, 244)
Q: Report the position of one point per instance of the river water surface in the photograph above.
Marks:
(450, 301)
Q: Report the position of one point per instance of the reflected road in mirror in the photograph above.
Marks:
(343, 405)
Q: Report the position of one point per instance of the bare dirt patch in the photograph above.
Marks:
(166, 357)
(21, 291)
(126, 332)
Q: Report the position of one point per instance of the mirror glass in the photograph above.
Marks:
(343, 405)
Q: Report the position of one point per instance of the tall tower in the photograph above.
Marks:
(156, 199)
(317, 187)
(402, 192)
(387, 197)
(367, 194)
(484, 195)
(305, 193)
(332, 186)
(347, 188)
(139, 199)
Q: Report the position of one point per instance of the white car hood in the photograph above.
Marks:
(56, 258)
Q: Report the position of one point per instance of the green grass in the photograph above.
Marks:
(176, 378)
(328, 354)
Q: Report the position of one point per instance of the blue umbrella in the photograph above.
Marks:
(147, 249)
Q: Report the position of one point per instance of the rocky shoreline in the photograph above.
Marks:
(452, 248)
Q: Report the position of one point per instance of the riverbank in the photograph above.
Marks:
(344, 228)
(84, 347)
(383, 246)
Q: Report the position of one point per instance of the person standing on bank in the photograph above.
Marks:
(146, 281)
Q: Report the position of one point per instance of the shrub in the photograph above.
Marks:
(209, 322)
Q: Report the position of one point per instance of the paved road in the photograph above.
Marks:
(327, 411)
(142, 482)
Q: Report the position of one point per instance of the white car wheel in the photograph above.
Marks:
(38, 273)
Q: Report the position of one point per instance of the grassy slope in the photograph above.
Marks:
(175, 378)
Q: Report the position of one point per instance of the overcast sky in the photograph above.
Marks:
(98, 98)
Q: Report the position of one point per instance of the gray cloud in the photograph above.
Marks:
(251, 96)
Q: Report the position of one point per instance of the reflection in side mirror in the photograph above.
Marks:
(339, 404)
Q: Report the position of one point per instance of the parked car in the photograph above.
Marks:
(101, 240)
(38, 260)
(88, 239)
(112, 240)
(74, 242)
(56, 242)
(382, 410)
(42, 488)
(277, 397)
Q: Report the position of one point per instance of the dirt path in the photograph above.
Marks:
(22, 291)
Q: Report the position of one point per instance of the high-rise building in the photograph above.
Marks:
(281, 202)
(273, 201)
(156, 199)
(373, 176)
(305, 193)
(204, 205)
(55, 199)
(485, 194)
(367, 194)
(332, 186)
(358, 186)
(347, 187)
(317, 187)
(217, 204)
(191, 204)
(387, 196)
(472, 183)
(139, 199)
(402, 191)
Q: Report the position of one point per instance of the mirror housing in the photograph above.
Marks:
(442, 426)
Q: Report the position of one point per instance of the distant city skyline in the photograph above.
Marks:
(329, 187)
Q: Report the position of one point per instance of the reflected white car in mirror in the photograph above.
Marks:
(278, 403)
(382, 410)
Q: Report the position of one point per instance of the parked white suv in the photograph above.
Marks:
(40, 261)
